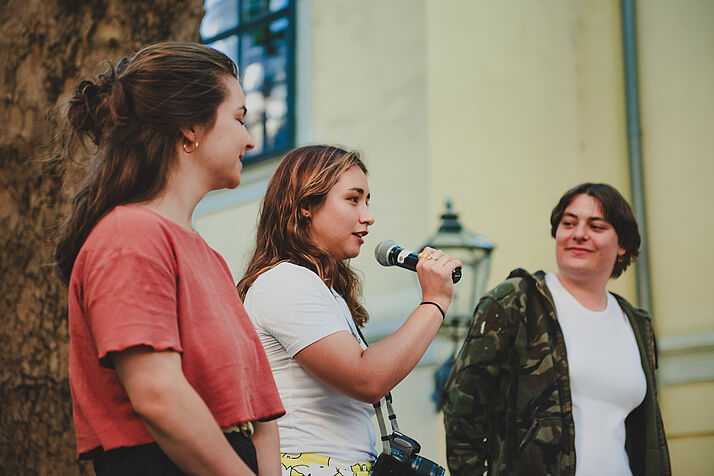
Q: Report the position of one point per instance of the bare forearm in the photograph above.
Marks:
(267, 447)
(175, 414)
(390, 360)
(368, 374)
(387, 362)
(190, 436)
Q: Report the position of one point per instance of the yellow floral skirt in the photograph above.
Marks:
(309, 464)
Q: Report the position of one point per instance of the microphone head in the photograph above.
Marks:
(381, 252)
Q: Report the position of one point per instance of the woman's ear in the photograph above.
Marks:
(305, 211)
(189, 135)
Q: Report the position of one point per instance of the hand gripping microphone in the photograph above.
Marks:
(389, 253)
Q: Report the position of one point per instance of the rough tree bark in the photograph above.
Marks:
(45, 46)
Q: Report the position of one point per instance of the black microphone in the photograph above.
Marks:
(389, 253)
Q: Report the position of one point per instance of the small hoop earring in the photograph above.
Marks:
(195, 146)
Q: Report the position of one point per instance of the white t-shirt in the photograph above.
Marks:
(606, 380)
(291, 308)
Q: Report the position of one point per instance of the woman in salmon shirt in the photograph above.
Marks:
(162, 354)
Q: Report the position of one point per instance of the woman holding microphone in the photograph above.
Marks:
(303, 298)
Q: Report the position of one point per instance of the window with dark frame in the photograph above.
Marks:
(259, 35)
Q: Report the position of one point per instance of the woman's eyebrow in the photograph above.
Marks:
(595, 218)
(360, 191)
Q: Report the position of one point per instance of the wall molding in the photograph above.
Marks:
(686, 358)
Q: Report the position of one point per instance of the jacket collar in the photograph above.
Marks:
(537, 280)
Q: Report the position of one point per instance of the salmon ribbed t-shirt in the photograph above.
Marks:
(141, 279)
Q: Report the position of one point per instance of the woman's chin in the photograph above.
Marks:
(233, 183)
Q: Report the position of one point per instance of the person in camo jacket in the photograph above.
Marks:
(556, 376)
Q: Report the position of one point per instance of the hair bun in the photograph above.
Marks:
(89, 110)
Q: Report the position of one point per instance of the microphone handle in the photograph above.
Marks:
(408, 260)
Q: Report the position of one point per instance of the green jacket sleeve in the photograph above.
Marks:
(472, 390)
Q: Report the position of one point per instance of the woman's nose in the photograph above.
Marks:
(367, 217)
(580, 232)
(250, 145)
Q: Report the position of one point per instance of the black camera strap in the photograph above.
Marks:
(390, 412)
(387, 463)
(386, 448)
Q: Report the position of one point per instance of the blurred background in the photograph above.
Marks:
(497, 106)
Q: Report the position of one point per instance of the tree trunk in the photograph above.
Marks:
(45, 46)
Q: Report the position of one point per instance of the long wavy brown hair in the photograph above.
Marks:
(133, 113)
(302, 180)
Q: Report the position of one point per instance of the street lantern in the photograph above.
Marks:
(474, 251)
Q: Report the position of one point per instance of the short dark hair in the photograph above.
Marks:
(617, 212)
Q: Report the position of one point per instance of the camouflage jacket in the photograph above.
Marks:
(508, 407)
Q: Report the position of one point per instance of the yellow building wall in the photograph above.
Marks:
(689, 419)
(526, 101)
(676, 45)
(369, 93)
(502, 106)
(677, 84)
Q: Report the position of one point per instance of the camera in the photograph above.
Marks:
(404, 460)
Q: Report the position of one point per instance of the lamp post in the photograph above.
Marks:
(474, 251)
